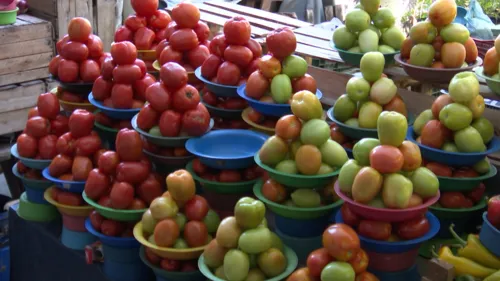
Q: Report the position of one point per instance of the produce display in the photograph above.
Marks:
(442, 170)
(44, 126)
(71, 97)
(111, 227)
(124, 179)
(109, 122)
(232, 103)
(179, 218)
(169, 264)
(386, 172)
(244, 248)
(123, 80)
(80, 54)
(258, 118)
(439, 42)
(174, 108)
(67, 198)
(337, 136)
(302, 198)
(340, 258)
(368, 96)
(233, 55)
(494, 211)
(226, 176)
(305, 138)
(164, 151)
(29, 173)
(223, 123)
(491, 60)
(369, 28)
(185, 40)
(455, 123)
(459, 200)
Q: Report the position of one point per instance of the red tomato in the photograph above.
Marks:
(143, 38)
(218, 45)
(202, 31)
(477, 193)
(229, 176)
(413, 229)
(152, 257)
(140, 86)
(70, 97)
(129, 145)
(54, 65)
(158, 96)
(376, 230)
(61, 43)
(75, 51)
(96, 220)
(66, 144)
(81, 123)
(465, 173)
(195, 234)
(122, 96)
(183, 39)
(468, 203)
(452, 200)
(107, 69)
(317, 260)
(210, 66)
(137, 204)
(171, 28)
(170, 123)
(145, 8)
(112, 228)
(281, 42)
(150, 189)
(255, 116)
(81, 168)
(79, 29)
(439, 169)
(257, 85)
(48, 105)
(21, 168)
(126, 74)
(160, 47)
(123, 34)
(198, 55)
(70, 199)
(252, 67)
(88, 145)
(37, 127)
(105, 201)
(341, 241)
(434, 134)
(170, 265)
(97, 155)
(170, 55)
(198, 167)
(186, 15)
(359, 262)
(68, 71)
(239, 55)
(147, 118)
(104, 57)
(89, 71)
(160, 19)
(47, 147)
(122, 195)
(101, 89)
(107, 162)
(255, 47)
(94, 44)
(132, 172)
(196, 122)
(134, 22)
(209, 98)
(186, 98)
(349, 217)
(173, 75)
(166, 233)
(59, 126)
(237, 31)
(61, 164)
(142, 65)
(97, 184)
(228, 74)
(196, 208)
(123, 52)
(306, 82)
(251, 173)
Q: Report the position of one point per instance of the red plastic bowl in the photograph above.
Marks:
(73, 223)
(387, 215)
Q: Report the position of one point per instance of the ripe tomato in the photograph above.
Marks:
(89, 71)
(70, 97)
(47, 146)
(97, 155)
(196, 208)
(477, 193)
(170, 123)
(255, 116)
(239, 55)
(170, 55)
(434, 134)
(160, 19)
(251, 173)
(75, 51)
(210, 66)
(198, 55)
(152, 257)
(196, 122)
(237, 31)
(21, 168)
(145, 8)
(257, 85)
(195, 234)
(359, 262)
(255, 47)
(218, 45)
(166, 233)
(140, 86)
(281, 42)
(209, 98)
(107, 162)
(150, 189)
(228, 74)
(123, 52)
(132, 172)
(54, 65)
(452, 200)
(70, 199)
(94, 44)
(317, 260)
(170, 265)
(101, 89)
(128, 145)
(349, 217)
(171, 28)
(122, 96)
(68, 71)
(160, 47)
(336, 135)
(142, 65)
(122, 195)
(198, 167)
(81, 123)
(97, 184)
(202, 31)
(386, 159)
(61, 164)
(186, 15)
(173, 75)
(48, 105)
(143, 38)
(274, 191)
(134, 22)
(147, 118)
(66, 144)
(269, 66)
(439, 169)
(306, 82)
(158, 96)
(137, 204)
(376, 230)
(96, 220)
(37, 127)
(81, 168)
(79, 29)
(252, 67)
(465, 172)
(33, 112)
(104, 57)
(59, 126)
(301, 274)
(105, 201)
(112, 228)
(88, 145)
(413, 229)
(341, 241)
(288, 127)
(61, 43)
(126, 74)
(229, 176)
(235, 103)
(123, 34)
(186, 98)
(184, 39)
(107, 68)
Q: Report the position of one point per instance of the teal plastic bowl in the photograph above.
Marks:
(171, 275)
(32, 183)
(8, 17)
(464, 184)
(493, 84)
(355, 58)
(37, 164)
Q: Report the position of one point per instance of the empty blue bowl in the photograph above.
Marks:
(120, 114)
(227, 149)
(453, 158)
(76, 240)
(32, 183)
(36, 164)
(71, 186)
(269, 109)
(489, 236)
(218, 89)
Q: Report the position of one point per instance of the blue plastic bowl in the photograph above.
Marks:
(119, 271)
(371, 245)
(36, 195)
(71, 186)
(269, 109)
(120, 114)
(36, 164)
(227, 149)
(489, 236)
(410, 274)
(218, 89)
(453, 158)
(41, 185)
(302, 228)
(118, 242)
(76, 240)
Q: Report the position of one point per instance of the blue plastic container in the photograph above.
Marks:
(71, 186)
(218, 89)
(301, 246)
(117, 271)
(269, 109)
(36, 164)
(31, 183)
(410, 274)
(76, 240)
(489, 236)
(453, 158)
(5, 263)
(227, 149)
(35, 195)
(302, 228)
(120, 114)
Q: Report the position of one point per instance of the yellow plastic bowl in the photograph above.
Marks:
(192, 79)
(76, 211)
(255, 126)
(146, 55)
(71, 106)
(169, 253)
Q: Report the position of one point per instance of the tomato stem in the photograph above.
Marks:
(433, 252)
(455, 235)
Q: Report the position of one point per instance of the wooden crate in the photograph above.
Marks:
(26, 48)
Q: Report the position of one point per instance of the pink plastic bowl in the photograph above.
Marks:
(387, 215)
(74, 223)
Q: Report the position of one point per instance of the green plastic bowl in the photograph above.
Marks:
(170, 275)
(36, 212)
(493, 84)
(297, 181)
(223, 113)
(115, 214)
(464, 184)
(355, 58)
(464, 213)
(8, 17)
(222, 187)
(294, 212)
(290, 255)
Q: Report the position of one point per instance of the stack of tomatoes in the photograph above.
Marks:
(124, 179)
(67, 198)
(80, 54)
(226, 176)
(110, 227)
(109, 122)
(186, 38)
(169, 264)
(29, 173)
(234, 55)
(232, 104)
(258, 118)
(76, 149)
(462, 200)
(174, 108)
(43, 127)
(339, 137)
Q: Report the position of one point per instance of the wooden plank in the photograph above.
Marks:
(315, 32)
(24, 31)
(13, 121)
(25, 63)
(26, 48)
(30, 19)
(329, 55)
(48, 7)
(22, 76)
(314, 42)
(22, 96)
(65, 11)
(106, 24)
(84, 8)
(294, 23)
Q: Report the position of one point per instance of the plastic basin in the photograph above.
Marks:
(489, 236)
(36, 164)
(115, 214)
(75, 87)
(71, 186)
(460, 218)
(73, 211)
(36, 212)
(255, 126)
(120, 114)
(218, 89)
(355, 58)
(493, 84)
